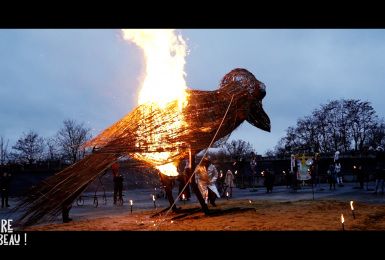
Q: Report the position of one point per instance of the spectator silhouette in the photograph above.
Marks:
(118, 182)
(229, 183)
(269, 180)
(5, 181)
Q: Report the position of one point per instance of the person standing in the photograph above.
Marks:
(5, 181)
(229, 183)
(294, 171)
(380, 170)
(337, 169)
(206, 176)
(253, 167)
(358, 171)
(332, 176)
(118, 181)
(269, 180)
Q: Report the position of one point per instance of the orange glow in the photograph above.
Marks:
(164, 82)
(342, 218)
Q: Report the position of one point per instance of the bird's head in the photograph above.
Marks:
(242, 82)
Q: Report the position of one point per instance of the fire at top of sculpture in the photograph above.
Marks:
(157, 134)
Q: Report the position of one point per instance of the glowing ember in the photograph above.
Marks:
(164, 83)
(342, 218)
(351, 205)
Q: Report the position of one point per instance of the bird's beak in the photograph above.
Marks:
(258, 117)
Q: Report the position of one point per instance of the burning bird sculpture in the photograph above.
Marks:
(157, 136)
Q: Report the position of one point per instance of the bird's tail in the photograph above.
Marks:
(48, 199)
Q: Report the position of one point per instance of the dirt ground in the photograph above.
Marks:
(240, 215)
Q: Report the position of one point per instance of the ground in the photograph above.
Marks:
(241, 215)
(247, 210)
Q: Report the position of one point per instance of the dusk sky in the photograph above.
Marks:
(93, 76)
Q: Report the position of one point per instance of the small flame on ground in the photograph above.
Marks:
(131, 202)
(351, 205)
(342, 218)
(153, 197)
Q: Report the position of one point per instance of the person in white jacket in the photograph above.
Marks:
(206, 177)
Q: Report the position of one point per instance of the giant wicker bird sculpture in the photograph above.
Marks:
(150, 130)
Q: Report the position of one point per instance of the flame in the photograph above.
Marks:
(342, 218)
(153, 197)
(131, 202)
(351, 205)
(183, 197)
(164, 82)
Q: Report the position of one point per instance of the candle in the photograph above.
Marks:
(342, 222)
(352, 208)
(131, 205)
(153, 199)
(227, 195)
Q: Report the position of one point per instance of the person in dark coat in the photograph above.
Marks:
(118, 188)
(332, 177)
(118, 182)
(168, 184)
(269, 180)
(380, 170)
(358, 171)
(5, 181)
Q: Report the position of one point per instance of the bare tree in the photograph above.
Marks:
(376, 135)
(238, 148)
(29, 148)
(3, 150)
(340, 125)
(52, 151)
(70, 139)
(364, 118)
